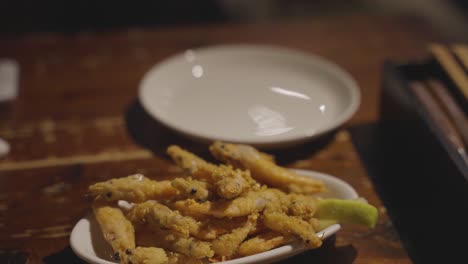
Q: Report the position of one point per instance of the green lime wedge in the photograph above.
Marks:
(347, 211)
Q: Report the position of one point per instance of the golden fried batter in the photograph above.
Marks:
(190, 246)
(264, 169)
(177, 258)
(212, 228)
(147, 255)
(241, 206)
(189, 188)
(229, 183)
(302, 206)
(291, 225)
(134, 188)
(156, 216)
(191, 163)
(116, 229)
(261, 243)
(227, 245)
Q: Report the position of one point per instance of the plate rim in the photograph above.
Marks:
(74, 236)
(348, 81)
(290, 249)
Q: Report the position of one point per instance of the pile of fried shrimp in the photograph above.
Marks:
(245, 205)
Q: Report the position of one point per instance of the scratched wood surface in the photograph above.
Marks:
(77, 120)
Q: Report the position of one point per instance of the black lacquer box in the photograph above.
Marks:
(421, 175)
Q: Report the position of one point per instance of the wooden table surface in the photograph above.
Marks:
(77, 120)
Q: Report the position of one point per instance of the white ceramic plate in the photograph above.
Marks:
(258, 95)
(87, 242)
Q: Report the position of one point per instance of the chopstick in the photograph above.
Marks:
(449, 63)
(451, 108)
(441, 119)
(462, 53)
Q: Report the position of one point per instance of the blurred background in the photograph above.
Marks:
(447, 16)
(56, 100)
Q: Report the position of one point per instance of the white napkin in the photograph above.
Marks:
(9, 71)
(4, 147)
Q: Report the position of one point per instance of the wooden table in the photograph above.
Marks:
(77, 120)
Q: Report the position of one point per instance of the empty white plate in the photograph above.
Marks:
(88, 243)
(258, 95)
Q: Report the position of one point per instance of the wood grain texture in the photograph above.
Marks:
(77, 121)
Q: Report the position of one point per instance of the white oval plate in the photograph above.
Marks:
(87, 242)
(259, 95)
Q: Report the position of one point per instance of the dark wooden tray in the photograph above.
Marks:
(421, 177)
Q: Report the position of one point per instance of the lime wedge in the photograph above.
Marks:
(347, 211)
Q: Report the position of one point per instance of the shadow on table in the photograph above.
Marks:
(65, 255)
(155, 136)
(105, 15)
(328, 253)
(13, 257)
(416, 185)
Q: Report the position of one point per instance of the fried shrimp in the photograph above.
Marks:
(291, 225)
(263, 168)
(134, 188)
(217, 212)
(116, 229)
(227, 245)
(190, 246)
(261, 243)
(189, 188)
(147, 255)
(191, 163)
(156, 216)
(229, 182)
(241, 206)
